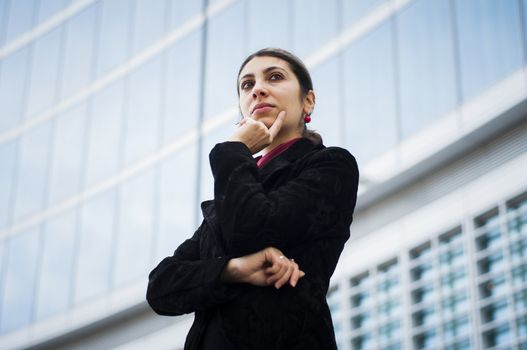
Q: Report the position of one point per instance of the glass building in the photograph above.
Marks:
(109, 108)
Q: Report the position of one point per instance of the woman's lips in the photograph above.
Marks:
(262, 110)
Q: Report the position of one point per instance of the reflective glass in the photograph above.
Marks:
(427, 340)
(48, 8)
(452, 256)
(78, 51)
(104, 133)
(362, 342)
(518, 250)
(275, 17)
(309, 36)
(456, 327)
(360, 281)
(326, 118)
(180, 12)
(67, 154)
(113, 43)
(182, 87)
(354, 10)
(421, 272)
(56, 268)
(362, 320)
(370, 94)
(489, 239)
(460, 345)
(489, 43)
(389, 331)
(149, 23)
(177, 200)
(7, 180)
(521, 326)
(494, 287)
(44, 72)
(497, 336)
(32, 171)
(426, 64)
(224, 58)
(423, 294)
(141, 132)
(136, 227)
(495, 311)
(519, 275)
(19, 280)
(454, 303)
(13, 78)
(360, 299)
(20, 19)
(520, 300)
(424, 317)
(454, 279)
(97, 226)
(492, 263)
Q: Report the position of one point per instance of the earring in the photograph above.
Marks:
(307, 118)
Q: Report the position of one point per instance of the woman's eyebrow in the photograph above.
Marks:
(266, 70)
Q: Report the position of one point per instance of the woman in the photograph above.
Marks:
(257, 270)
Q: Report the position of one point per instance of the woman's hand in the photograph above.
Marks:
(255, 135)
(264, 268)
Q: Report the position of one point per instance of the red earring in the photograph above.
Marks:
(307, 118)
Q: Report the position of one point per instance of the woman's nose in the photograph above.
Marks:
(259, 90)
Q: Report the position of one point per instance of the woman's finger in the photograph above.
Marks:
(285, 277)
(295, 275)
(277, 125)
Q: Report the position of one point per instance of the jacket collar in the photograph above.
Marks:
(296, 151)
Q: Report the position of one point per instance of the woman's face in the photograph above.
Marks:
(267, 86)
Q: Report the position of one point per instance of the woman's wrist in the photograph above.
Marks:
(230, 273)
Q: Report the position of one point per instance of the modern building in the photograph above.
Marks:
(108, 109)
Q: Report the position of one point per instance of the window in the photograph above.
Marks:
(494, 287)
(426, 340)
(424, 317)
(423, 294)
(494, 312)
(455, 328)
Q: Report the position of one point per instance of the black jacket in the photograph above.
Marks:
(302, 203)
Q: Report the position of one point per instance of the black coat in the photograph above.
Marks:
(302, 203)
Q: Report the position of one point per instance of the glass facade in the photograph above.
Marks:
(438, 278)
(106, 109)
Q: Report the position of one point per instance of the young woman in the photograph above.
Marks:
(257, 270)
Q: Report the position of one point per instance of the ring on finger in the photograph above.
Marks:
(281, 257)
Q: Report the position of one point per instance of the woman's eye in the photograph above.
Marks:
(246, 85)
(275, 76)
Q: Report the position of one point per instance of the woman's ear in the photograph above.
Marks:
(309, 102)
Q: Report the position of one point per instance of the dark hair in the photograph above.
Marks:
(301, 73)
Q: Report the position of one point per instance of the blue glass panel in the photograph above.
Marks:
(48, 8)
(13, 73)
(149, 23)
(3, 18)
(114, 34)
(136, 228)
(489, 43)
(56, 267)
(78, 51)
(315, 23)
(275, 17)
(44, 72)
(326, 118)
(7, 161)
(102, 156)
(177, 200)
(223, 59)
(180, 12)
(183, 76)
(32, 171)
(20, 19)
(354, 10)
(426, 64)
(142, 122)
(19, 280)
(369, 109)
(68, 146)
(92, 278)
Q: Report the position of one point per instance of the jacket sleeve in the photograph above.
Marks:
(183, 283)
(319, 199)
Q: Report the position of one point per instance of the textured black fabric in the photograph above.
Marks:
(302, 203)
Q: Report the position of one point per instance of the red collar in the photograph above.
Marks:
(262, 160)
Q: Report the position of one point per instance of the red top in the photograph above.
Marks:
(262, 160)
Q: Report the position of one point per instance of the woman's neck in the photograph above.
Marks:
(279, 139)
